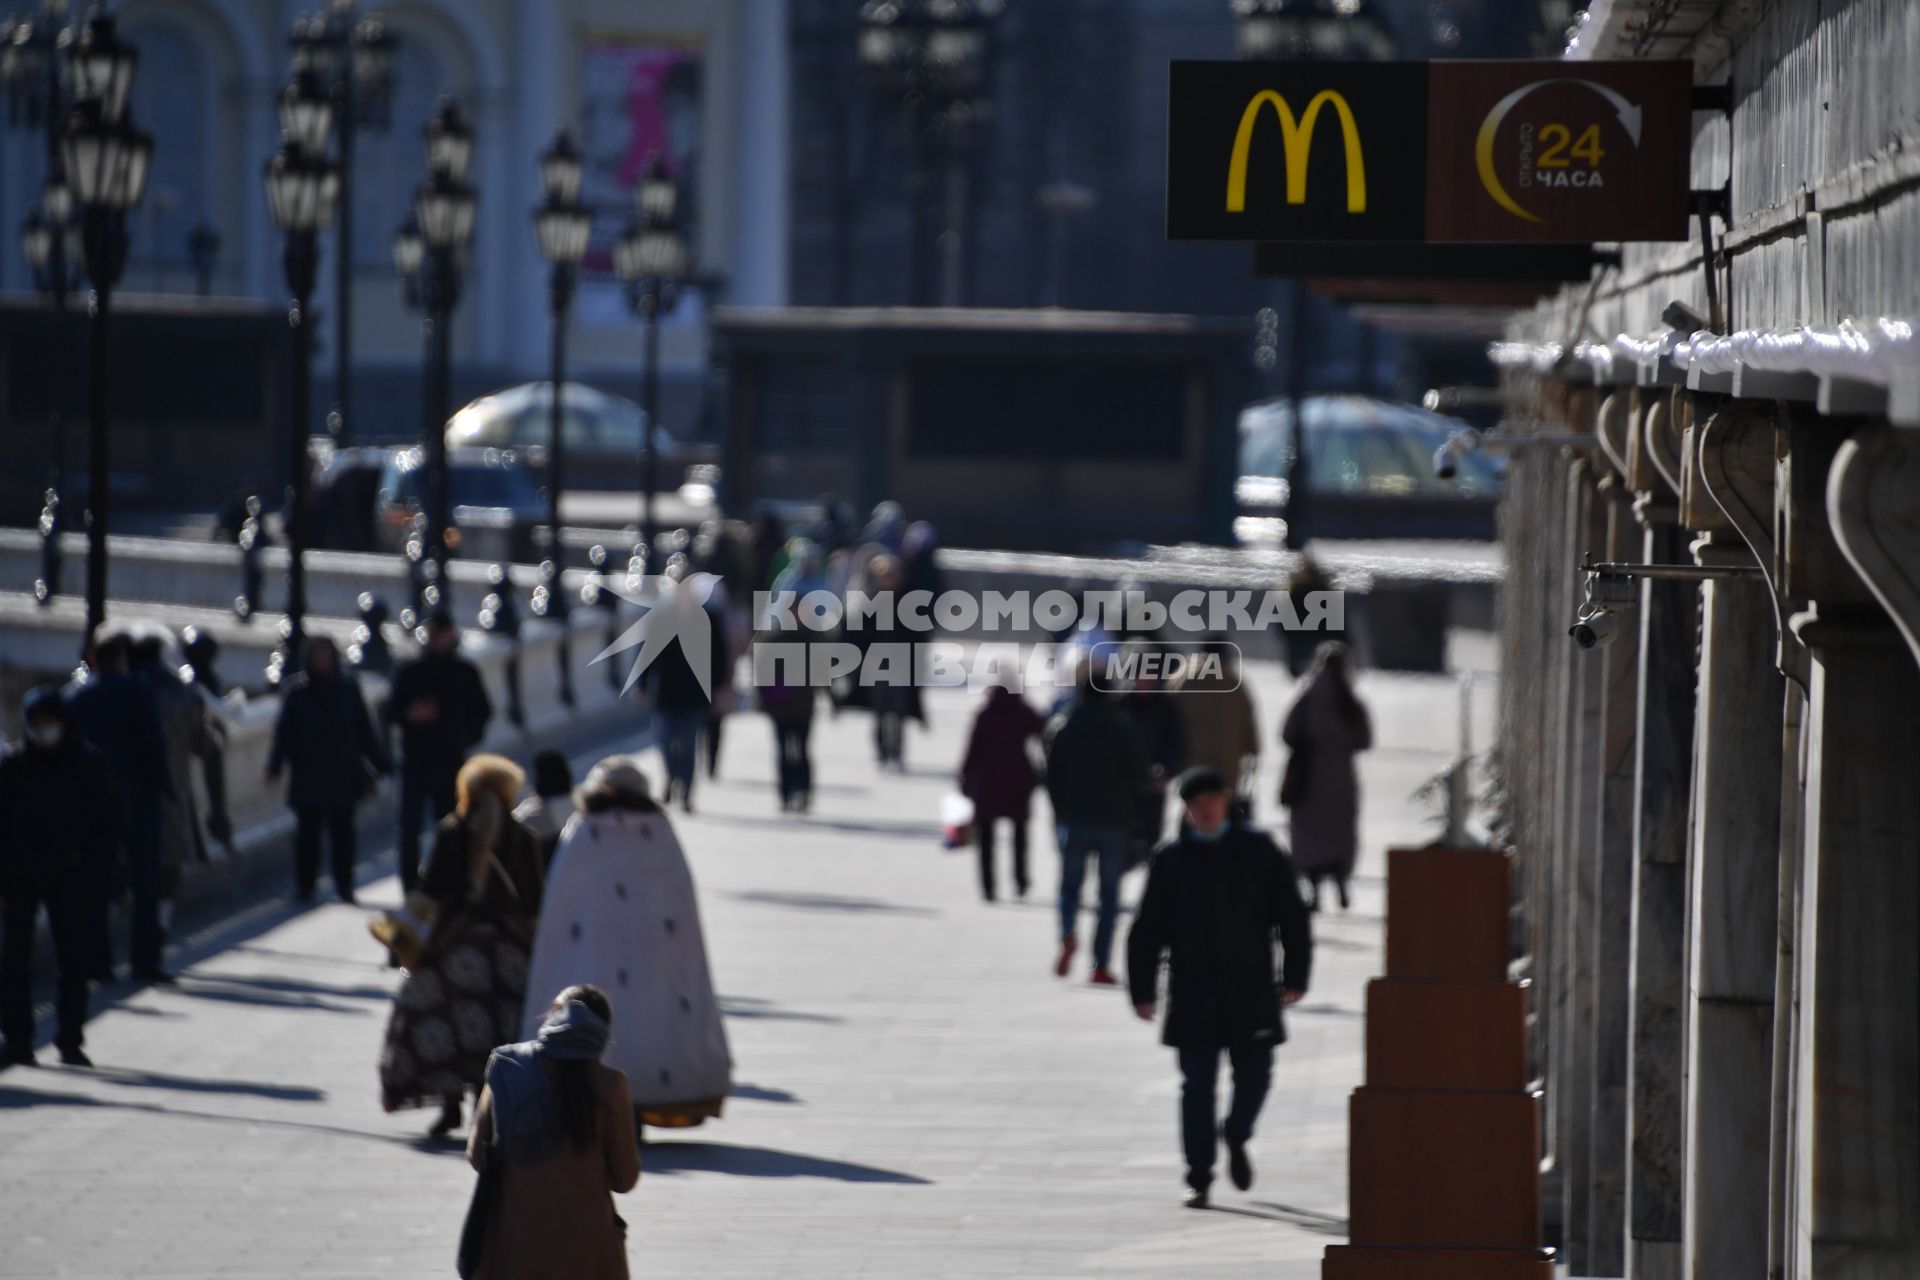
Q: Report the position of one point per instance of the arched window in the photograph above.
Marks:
(173, 97)
(389, 166)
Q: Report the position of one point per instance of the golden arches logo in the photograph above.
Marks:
(1296, 136)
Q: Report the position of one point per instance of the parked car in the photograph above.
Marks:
(496, 508)
(346, 487)
(603, 435)
(1370, 465)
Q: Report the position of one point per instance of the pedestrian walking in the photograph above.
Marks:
(441, 707)
(1326, 726)
(1216, 893)
(481, 896)
(116, 713)
(730, 625)
(555, 1126)
(1223, 730)
(886, 685)
(621, 912)
(1307, 579)
(546, 811)
(680, 701)
(199, 651)
(997, 774)
(58, 815)
(325, 742)
(187, 734)
(1149, 706)
(1096, 772)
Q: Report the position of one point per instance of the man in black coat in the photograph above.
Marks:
(57, 831)
(441, 706)
(117, 714)
(324, 738)
(1096, 774)
(1215, 895)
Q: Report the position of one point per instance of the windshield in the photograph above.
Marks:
(479, 485)
(1359, 445)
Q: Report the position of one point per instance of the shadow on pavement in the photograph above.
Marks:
(931, 831)
(760, 1162)
(1324, 1011)
(748, 1007)
(829, 902)
(243, 991)
(754, 1093)
(187, 1084)
(1305, 1219)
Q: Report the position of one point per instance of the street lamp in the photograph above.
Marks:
(563, 226)
(106, 161)
(352, 58)
(429, 253)
(652, 258)
(931, 56)
(303, 188)
(1306, 30)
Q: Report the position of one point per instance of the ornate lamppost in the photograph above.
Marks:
(106, 159)
(1306, 30)
(653, 259)
(51, 246)
(303, 187)
(430, 254)
(352, 56)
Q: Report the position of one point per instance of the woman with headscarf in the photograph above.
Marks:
(621, 913)
(1325, 728)
(481, 895)
(557, 1125)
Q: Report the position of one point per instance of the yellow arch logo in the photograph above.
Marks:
(1297, 140)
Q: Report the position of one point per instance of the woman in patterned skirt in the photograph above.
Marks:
(481, 893)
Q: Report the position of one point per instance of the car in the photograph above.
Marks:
(498, 509)
(603, 435)
(1371, 468)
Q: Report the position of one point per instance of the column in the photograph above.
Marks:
(1669, 622)
(1611, 771)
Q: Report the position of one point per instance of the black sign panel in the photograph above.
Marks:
(1528, 262)
(1297, 151)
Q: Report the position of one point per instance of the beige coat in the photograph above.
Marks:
(1221, 728)
(555, 1219)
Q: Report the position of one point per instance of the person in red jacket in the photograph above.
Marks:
(997, 775)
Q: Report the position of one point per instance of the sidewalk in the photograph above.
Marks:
(917, 1094)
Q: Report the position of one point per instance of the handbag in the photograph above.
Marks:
(1293, 780)
(486, 1194)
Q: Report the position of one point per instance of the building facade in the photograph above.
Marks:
(704, 81)
(1716, 812)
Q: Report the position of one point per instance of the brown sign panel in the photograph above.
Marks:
(1551, 152)
(1444, 152)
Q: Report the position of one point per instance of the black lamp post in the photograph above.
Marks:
(563, 225)
(106, 160)
(931, 57)
(302, 188)
(652, 258)
(429, 253)
(352, 56)
(1306, 30)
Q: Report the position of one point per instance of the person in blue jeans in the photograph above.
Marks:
(1096, 773)
(1216, 895)
(681, 701)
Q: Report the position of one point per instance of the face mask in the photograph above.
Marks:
(46, 734)
(1210, 836)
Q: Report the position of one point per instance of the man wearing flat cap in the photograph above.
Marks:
(1216, 895)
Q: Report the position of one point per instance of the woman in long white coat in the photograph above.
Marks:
(620, 913)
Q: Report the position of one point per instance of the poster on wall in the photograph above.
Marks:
(640, 98)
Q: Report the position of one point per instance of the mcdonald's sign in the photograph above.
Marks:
(1437, 152)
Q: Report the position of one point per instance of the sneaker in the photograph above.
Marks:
(449, 1121)
(1239, 1168)
(1196, 1198)
(1068, 946)
(75, 1057)
(1103, 978)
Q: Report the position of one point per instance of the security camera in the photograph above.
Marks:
(1593, 628)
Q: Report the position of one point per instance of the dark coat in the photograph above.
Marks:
(670, 680)
(448, 878)
(996, 773)
(118, 715)
(324, 738)
(1163, 732)
(452, 687)
(1096, 768)
(1326, 731)
(1211, 910)
(59, 814)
